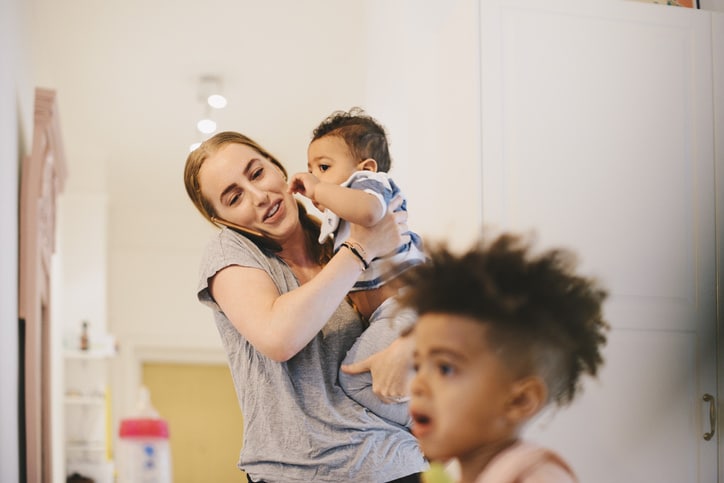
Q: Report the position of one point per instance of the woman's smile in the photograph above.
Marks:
(273, 210)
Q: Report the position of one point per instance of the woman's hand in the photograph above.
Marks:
(391, 369)
(384, 237)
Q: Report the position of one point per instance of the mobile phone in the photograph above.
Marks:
(239, 228)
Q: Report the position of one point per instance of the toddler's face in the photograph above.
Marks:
(330, 160)
(460, 391)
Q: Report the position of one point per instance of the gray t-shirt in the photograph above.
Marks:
(299, 425)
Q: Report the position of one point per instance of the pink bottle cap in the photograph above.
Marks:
(146, 427)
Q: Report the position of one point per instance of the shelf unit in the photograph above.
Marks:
(87, 413)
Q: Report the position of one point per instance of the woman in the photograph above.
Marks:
(279, 305)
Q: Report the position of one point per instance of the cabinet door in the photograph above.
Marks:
(597, 134)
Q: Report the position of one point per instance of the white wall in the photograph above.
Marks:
(82, 271)
(423, 84)
(8, 248)
(15, 121)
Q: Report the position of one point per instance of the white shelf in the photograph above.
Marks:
(85, 400)
(93, 354)
(85, 446)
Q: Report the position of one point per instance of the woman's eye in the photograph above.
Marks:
(234, 198)
(257, 173)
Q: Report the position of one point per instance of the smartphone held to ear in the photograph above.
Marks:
(256, 236)
(239, 228)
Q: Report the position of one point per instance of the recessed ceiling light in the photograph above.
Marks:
(217, 101)
(206, 126)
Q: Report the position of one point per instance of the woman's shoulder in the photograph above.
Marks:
(227, 247)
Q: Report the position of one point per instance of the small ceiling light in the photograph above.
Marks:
(206, 126)
(217, 101)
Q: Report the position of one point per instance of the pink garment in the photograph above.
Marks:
(527, 463)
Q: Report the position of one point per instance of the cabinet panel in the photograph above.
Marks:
(598, 135)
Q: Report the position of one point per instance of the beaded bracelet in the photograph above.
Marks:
(357, 251)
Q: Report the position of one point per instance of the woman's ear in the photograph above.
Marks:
(368, 164)
(527, 397)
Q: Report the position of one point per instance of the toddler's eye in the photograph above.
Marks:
(323, 167)
(445, 369)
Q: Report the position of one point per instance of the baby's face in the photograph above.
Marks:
(330, 160)
(461, 389)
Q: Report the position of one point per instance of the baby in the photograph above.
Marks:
(348, 160)
(500, 335)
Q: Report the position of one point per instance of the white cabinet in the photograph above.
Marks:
(598, 132)
(87, 414)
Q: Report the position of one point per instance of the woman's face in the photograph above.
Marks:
(247, 189)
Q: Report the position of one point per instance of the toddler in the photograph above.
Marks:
(500, 335)
(348, 161)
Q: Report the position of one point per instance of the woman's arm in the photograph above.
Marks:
(277, 325)
(280, 325)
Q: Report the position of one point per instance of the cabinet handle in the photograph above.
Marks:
(712, 416)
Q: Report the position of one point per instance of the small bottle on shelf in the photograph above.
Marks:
(84, 344)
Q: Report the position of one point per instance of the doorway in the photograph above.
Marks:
(205, 422)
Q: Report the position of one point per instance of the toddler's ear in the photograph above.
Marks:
(368, 164)
(527, 397)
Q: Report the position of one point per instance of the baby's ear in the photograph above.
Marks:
(368, 164)
(527, 397)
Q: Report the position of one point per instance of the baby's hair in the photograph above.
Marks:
(365, 137)
(542, 318)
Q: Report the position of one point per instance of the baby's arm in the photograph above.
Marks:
(355, 206)
(390, 369)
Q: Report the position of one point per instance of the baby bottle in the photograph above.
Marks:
(144, 455)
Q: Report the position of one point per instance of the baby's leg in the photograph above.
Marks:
(386, 324)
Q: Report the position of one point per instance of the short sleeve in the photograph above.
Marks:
(228, 248)
(376, 184)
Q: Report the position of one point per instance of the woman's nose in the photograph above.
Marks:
(259, 196)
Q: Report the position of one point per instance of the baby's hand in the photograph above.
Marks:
(303, 183)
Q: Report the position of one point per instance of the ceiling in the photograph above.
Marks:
(127, 80)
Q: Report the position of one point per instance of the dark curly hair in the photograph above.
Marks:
(542, 317)
(365, 137)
